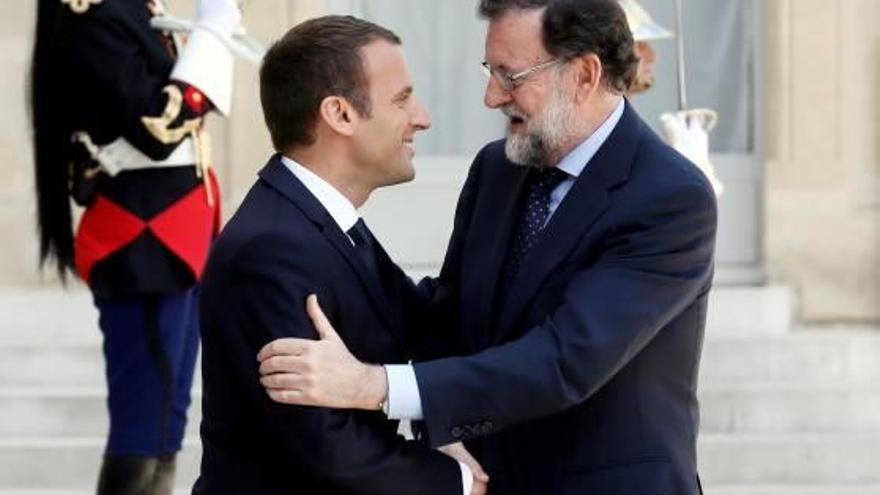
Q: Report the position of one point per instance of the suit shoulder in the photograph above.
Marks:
(662, 179)
(668, 169)
(264, 221)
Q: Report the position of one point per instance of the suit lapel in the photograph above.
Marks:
(582, 206)
(276, 174)
(490, 262)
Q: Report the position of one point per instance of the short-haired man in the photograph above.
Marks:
(339, 104)
(577, 278)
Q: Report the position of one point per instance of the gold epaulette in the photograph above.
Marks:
(160, 127)
(80, 6)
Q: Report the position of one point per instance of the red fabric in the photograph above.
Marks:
(105, 228)
(186, 228)
(195, 100)
(188, 225)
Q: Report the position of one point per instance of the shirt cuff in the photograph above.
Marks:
(206, 63)
(404, 400)
(467, 478)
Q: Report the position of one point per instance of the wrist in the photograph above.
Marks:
(374, 391)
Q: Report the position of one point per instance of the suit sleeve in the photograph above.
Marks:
(652, 268)
(358, 451)
(152, 111)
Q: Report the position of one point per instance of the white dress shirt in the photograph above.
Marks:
(345, 215)
(404, 400)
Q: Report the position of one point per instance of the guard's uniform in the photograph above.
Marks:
(132, 107)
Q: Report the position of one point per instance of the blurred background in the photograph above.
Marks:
(789, 380)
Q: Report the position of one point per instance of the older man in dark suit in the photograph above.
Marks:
(576, 279)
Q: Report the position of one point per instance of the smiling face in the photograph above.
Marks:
(539, 109)
(383, 142)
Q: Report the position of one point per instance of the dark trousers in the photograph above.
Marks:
(150, 347)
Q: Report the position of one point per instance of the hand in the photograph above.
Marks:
(221, 15)
(320, 372)
(458, 452)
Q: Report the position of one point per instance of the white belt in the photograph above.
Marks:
(120, 155)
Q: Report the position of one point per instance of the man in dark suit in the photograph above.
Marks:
(340, 108)
(576, 279)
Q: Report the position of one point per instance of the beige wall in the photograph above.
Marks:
(823, 158)
(822, 114)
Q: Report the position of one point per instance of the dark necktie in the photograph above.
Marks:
(532, 218)
(364, 244)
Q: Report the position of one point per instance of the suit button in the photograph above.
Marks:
(456, 432)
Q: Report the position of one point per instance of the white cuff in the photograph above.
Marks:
(467, 478)
(404, 400)
(206, 63)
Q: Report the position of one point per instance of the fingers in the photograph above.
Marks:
(286, 364)
(290, 397)
(476, 468)
(319, 320)
(282, 347)
(479, 488)
(458, 451)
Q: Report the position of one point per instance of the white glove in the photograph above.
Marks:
(222, 16)
(687, 132)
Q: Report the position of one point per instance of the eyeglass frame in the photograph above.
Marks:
(510, 82)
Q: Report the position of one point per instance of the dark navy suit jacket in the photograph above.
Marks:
(600, 335)
(280, 246)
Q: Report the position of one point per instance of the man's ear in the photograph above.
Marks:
(338, 114)
(588, 75)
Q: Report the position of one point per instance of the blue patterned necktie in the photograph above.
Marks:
(531, 222)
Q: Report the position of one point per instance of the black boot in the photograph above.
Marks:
(126, 475)
(163, 479)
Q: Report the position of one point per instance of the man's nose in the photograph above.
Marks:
(495, 95)
(420, 119)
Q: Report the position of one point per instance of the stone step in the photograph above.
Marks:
(52, 316)
(795, 408)
(764, 461)
(754, 408)
(61, 366)
(64, 413)
(749, 311)
(808, 459)
(71, 463)
(793, 489)
(805, 356)
(57, 316)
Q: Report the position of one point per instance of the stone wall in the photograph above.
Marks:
(822, 227)
(822, 111)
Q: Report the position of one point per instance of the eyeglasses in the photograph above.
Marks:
(508, 81)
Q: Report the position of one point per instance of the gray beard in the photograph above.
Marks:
(526, 150)
(544, 136)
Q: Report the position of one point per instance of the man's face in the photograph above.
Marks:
(383, 146)
(645, 74)
(539, 109)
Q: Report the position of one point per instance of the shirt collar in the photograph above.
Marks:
(574, 162)
(337, 205)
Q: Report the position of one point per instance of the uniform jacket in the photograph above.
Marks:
(146, 230)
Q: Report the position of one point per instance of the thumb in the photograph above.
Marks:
(319, 320)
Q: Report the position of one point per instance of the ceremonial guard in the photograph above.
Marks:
(686, 130)
(118, 109)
